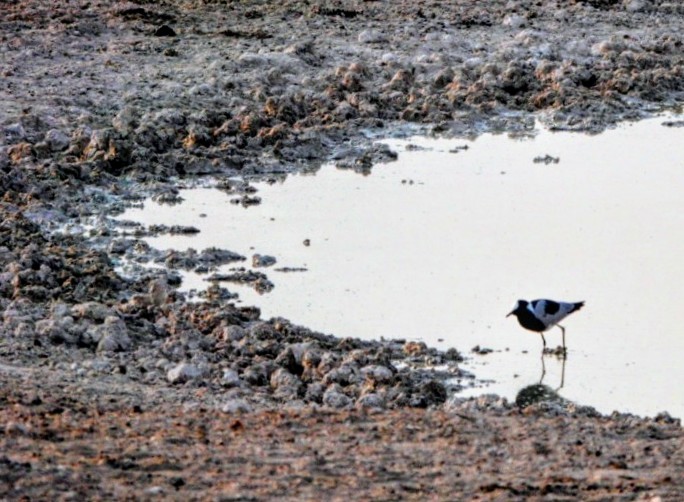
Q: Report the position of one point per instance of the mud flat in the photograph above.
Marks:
(119, 387)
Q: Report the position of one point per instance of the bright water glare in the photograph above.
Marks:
(439, 245)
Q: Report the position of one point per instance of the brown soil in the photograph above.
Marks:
(59, 446)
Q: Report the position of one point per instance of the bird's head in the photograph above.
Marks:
(519, 306)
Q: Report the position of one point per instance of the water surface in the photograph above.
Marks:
(439, 245)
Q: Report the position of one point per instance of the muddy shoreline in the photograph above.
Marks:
(105, 103)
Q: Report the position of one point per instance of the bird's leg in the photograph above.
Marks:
(543, 368)
(565, 352)
(543, 339)
(562, 375)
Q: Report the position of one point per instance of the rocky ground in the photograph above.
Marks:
(117, 387)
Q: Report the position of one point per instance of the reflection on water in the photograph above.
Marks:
(563, 358)
(438, 246)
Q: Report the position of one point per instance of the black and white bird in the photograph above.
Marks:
(541, 315)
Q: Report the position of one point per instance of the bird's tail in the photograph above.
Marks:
(577, 306)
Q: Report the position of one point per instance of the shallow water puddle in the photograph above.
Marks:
(439, 245)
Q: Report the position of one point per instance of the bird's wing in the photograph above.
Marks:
(550, 312)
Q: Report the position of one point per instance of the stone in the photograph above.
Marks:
(14, 132)
(91, 310)
(314, 392)
(514, 21)
(55, 331)
(183, 372)
(334, 398)
(415, 348)
(57, 140)
(233, 333)
(112, 336)
(159, 292)
(377, 374)
(259, 260)
(285, 383)
(230, 378)
(371, 400)
(235, 406)
(343, 375)
(371, 37)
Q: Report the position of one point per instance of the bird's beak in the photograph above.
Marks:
(510, 313)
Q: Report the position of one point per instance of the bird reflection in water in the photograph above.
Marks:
(563, 358)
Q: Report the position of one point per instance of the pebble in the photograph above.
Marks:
(230, 378)
(336, 399)
(371, 400)
(112, 336)
(378, 374)
(259, 260)
(235, 406)
(183, 372)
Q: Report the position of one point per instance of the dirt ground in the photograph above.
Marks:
(57, 446)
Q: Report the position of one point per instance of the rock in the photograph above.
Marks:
(259, 374)
(300, 349)
(636, 6)
(262, 260)
(159, 291)
(263, 331)
(415, 348)
(233, 333)
(371, 37)
(310, 363)
(285, 383)
(287, 360)
(14, 133)
(377, 374)
(334, 398)
(112, 336)
(230, 378)
(429, 393)
(57, 140)
(372, 400)
(314, 392)
(443, 78)
(127, 120)
(93, 311)
(514, 21)
(215, 257)
(57, 331)
(356, 358)
(343, 375)
(183, 372)
(235, 406)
